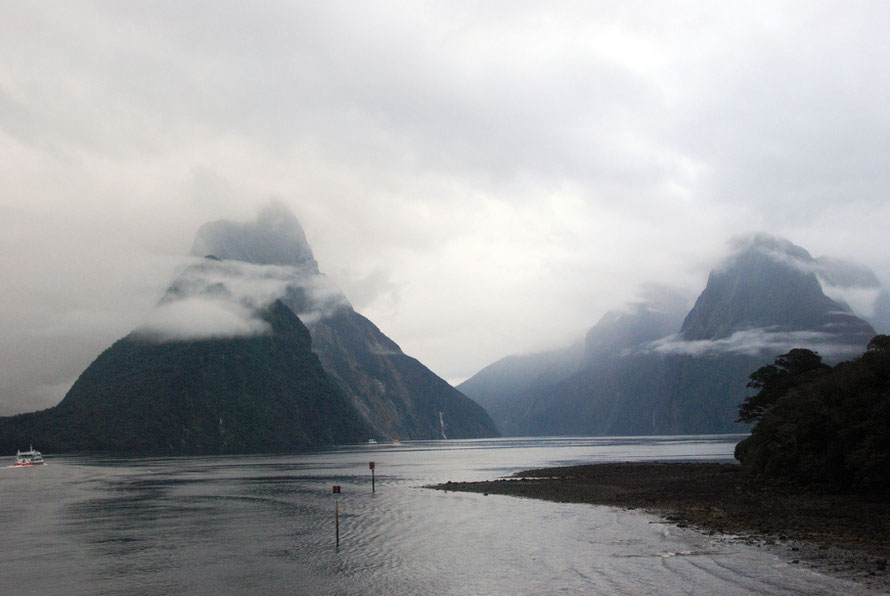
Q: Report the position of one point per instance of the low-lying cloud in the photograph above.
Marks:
(215, 298)
(323, 297)
(752, 342)
(197, 318)
(862, 301)
(245, 283)
(777, 249)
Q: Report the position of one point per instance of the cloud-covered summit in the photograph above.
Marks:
(769, 283)
(850, 284)
(779, 250)
(274, 238)
(246, 266)
(741, 310)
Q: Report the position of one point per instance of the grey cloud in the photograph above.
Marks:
(753, 342)
(660, 298)
(324, 298)
(796, 88)
(254, 286)
(213, 298)
(778, 249)
(843, 273)
(490, 160)
(196, 318)
(855, 285)
(222, 298)
(376, 286)
(862, 301)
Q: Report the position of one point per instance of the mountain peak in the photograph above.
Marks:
(657, 313)
(779, 250)
(275, 237)
(768, 283)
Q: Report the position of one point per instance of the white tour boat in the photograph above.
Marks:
(31, 457)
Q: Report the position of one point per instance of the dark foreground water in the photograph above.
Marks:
(265, 525)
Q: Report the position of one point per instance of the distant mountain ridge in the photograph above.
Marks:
(654, 369)
(497, 386)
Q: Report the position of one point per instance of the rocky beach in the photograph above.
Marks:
(845, 535)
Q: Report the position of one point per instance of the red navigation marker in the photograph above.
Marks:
(371, 465)
(336, 489)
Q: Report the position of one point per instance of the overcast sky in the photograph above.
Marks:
(480, 178)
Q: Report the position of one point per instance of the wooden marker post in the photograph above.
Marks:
(371, 465)
(337, 513)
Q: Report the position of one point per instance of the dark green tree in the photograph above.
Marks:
(774, 380)
(828, 426)
(879, 343)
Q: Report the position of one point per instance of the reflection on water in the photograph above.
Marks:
(265, 524)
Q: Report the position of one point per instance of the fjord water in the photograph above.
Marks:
(265, 525)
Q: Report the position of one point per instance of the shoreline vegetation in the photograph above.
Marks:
(844, 535)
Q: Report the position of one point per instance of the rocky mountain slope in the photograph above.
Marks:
(259, 393)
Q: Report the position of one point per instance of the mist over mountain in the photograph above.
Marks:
(856, 285)
(250, 349)
(656, 314)
(881, 315)
(654, 368)
(770, 284)
(498, 386)
(396, 395)
(590, 387)
(275, 238)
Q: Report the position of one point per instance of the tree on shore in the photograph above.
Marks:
(815, 424)
(774, 380)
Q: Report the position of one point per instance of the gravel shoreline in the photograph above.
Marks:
(842, 535)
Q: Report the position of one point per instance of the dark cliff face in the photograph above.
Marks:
(397, 395)
(262, 393)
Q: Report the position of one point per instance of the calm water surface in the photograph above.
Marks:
(265, 525)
